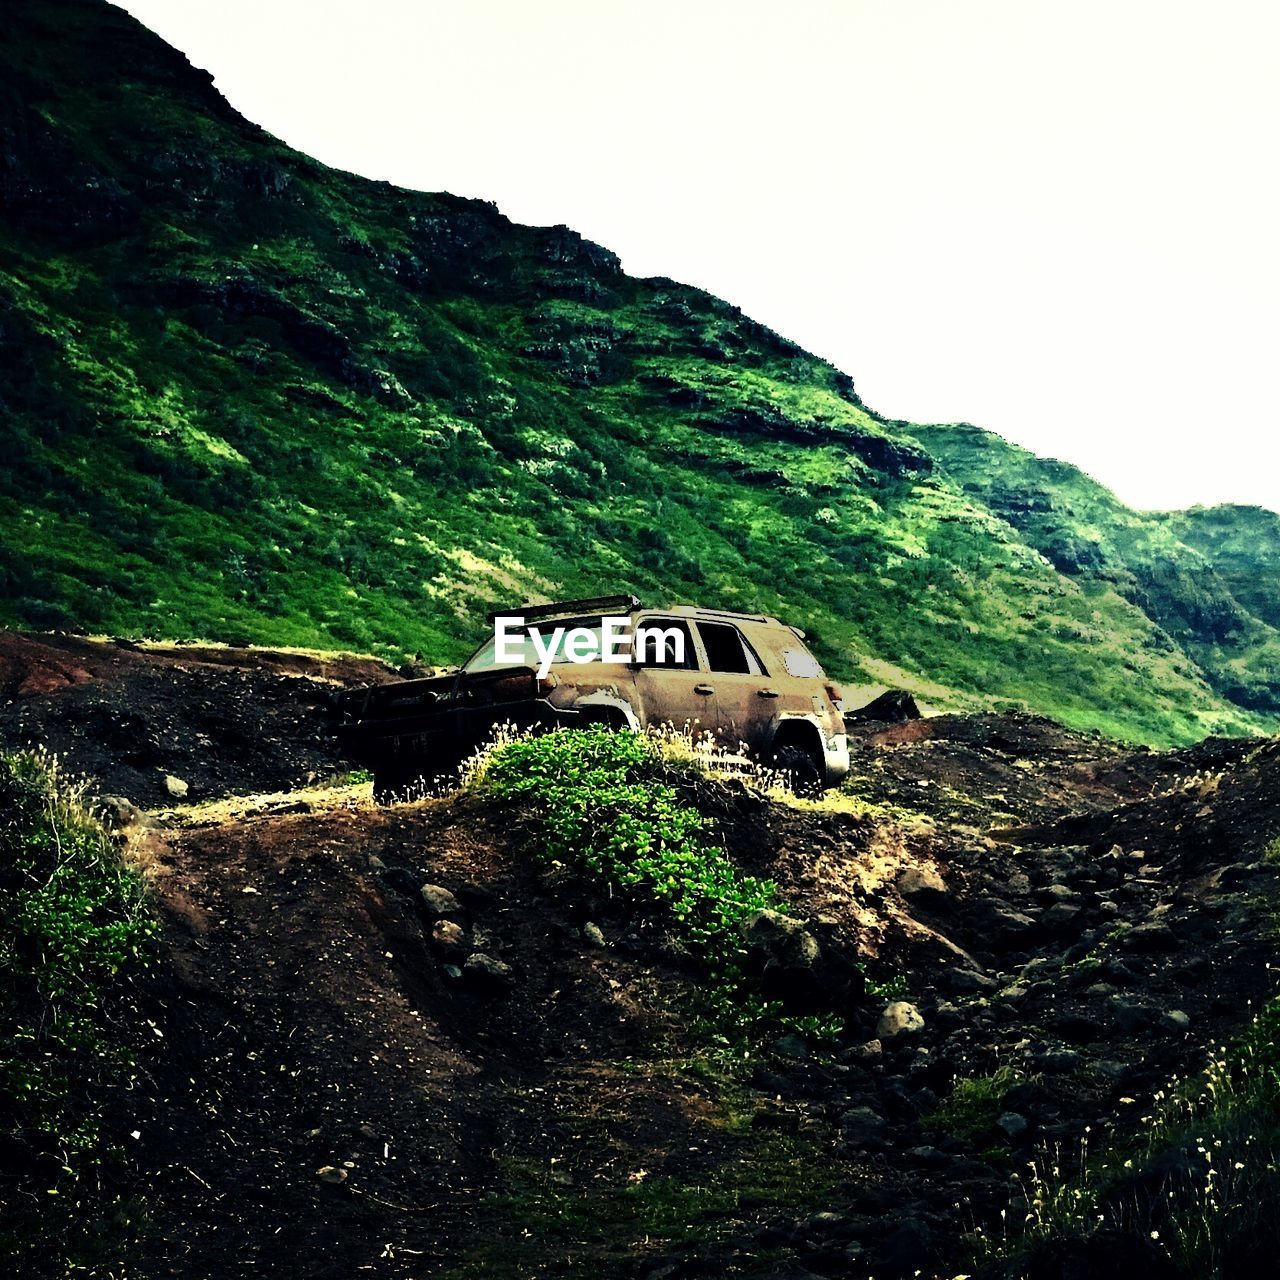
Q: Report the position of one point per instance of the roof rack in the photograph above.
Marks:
(732, 613)
(569, 608)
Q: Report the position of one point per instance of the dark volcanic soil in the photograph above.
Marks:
(337, 1093)
(222, 720)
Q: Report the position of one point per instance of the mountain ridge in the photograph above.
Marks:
(255, 399)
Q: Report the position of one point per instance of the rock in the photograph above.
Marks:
(1052, 893)
(894, 706)
(1128, 1015)
(175, 786)
(1175, 1020)
(439, 901)
(860, 1125)
(332, 1174)
(922, 883)
(1059, 916)
(1010, 928)
(906, 1251)
(968, 980)
(1152, 936)
(1056, 1058)
(593, 936)
(869, 1052)
(779, 940)
(899, 1018)
(1013, 1125)
(448, 937)
(120, 812)
(791, 1046)
(487, 974)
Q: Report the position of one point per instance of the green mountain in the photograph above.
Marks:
(251, 398)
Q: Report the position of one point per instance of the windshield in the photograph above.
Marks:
(485, 658)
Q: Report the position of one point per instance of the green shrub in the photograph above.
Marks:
(607, 808)
(73, 929)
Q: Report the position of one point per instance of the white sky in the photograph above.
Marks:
(1056, 220)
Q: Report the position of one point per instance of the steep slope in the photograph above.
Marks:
(1207, 576)
(246, 397)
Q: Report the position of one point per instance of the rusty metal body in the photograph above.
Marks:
(747, 680)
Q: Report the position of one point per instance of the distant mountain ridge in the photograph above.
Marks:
(248, 397)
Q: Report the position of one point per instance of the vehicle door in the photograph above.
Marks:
(745, 701)
(671, 683)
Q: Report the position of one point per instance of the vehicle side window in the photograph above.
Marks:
(800, 662)
(663, 649)
(727, 649)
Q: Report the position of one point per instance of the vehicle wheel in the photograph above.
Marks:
(799, 770)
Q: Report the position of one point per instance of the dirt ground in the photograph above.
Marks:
(340, 1088)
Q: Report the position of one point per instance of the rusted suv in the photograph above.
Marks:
(746, 679)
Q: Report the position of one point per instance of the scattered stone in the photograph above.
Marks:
(176, 787)
(1059, 893)
(1152, 936)
(439, 901)
(779, 940)
(869, 1052)
(332, 1174)
(593, 935)
(1013, 1125)
(906, 1250)
(487, 974)
(448, 937)
(1128, 1015)
(120, 812)
(899, 1018)
(860, 1125)
(791, 1046)
(1060, 915)
(922, 883)
(1175, 1020)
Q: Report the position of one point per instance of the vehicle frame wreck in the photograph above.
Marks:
(746, 680)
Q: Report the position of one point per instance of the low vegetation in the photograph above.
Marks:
(607, 809)
(1200, 1183)
(74, 932)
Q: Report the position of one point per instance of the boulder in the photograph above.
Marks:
(779, 940)
(448, 937)
(922, 883)
(438, 901)
(860, 1125)
(899, 1018)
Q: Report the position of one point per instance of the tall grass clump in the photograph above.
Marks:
(74, 930)
(607, 807)
(1200, 1183)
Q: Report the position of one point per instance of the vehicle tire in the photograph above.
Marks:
(799, 769)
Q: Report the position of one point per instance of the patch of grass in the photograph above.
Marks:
(971, 1109)
(607, 808)
(1201, 1181)
(543, 1218)
(74, 929)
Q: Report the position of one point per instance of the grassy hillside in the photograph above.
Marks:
(1207, 576)
(248, 397)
